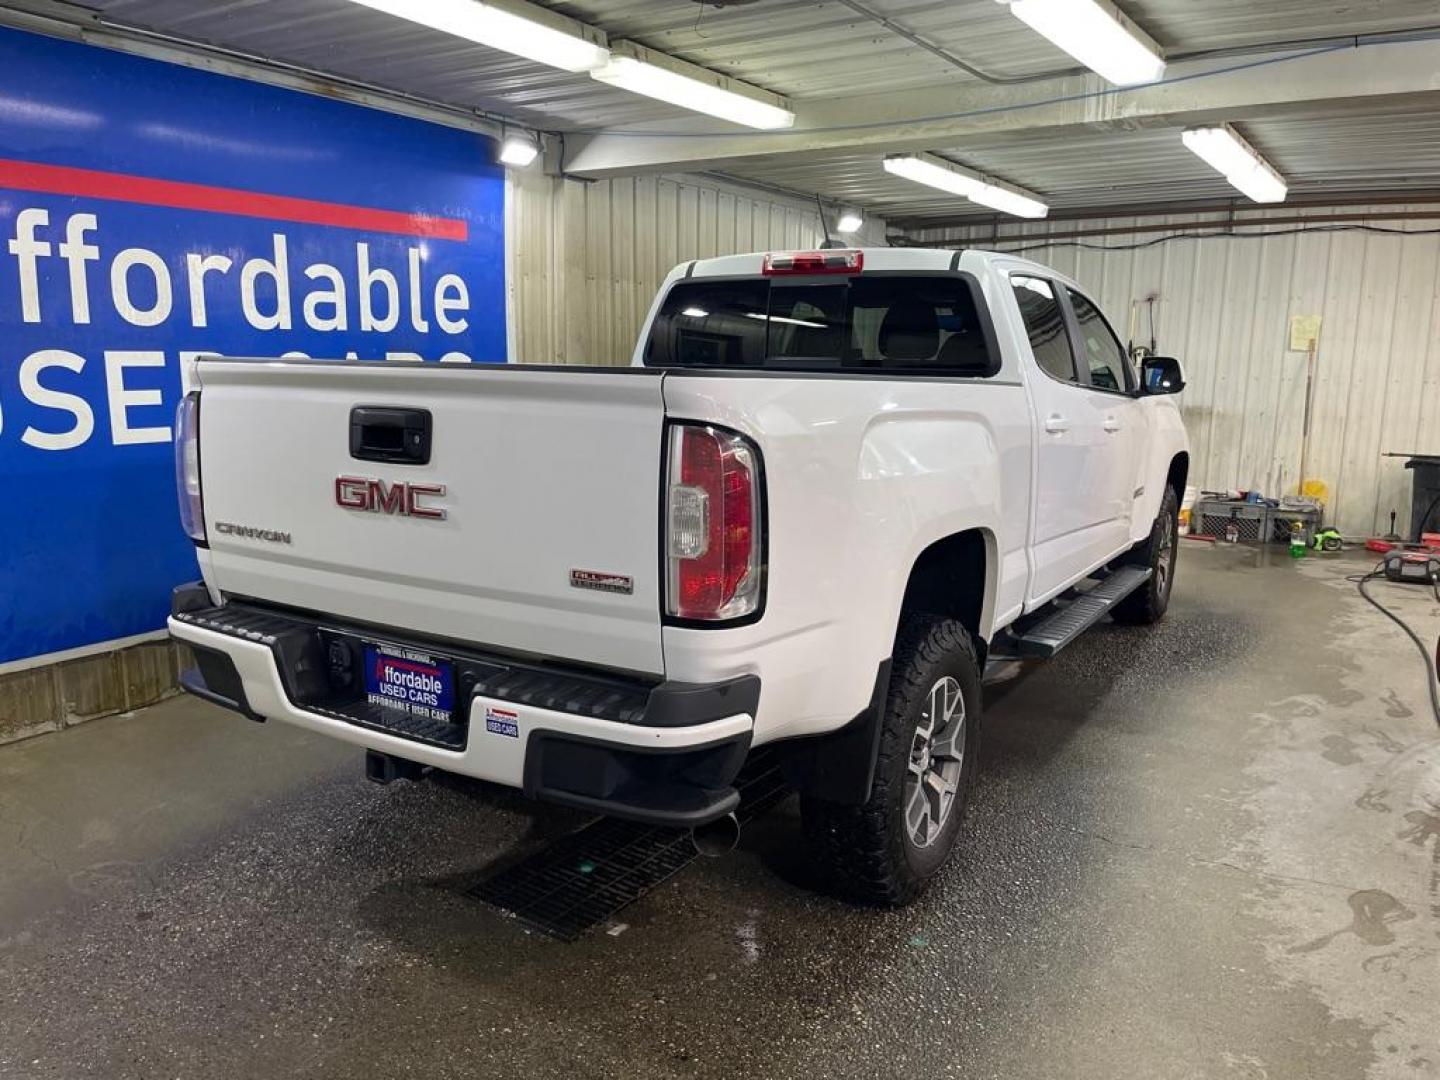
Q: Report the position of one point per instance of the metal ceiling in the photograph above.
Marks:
(809, 49)
(355, 42)
(1352, 153)
(800, 48)
(818, 48)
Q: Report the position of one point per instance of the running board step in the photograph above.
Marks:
(1049, 636)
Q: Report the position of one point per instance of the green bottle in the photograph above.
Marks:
(1297, 540)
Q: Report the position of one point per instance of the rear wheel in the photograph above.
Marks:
(1148, 603)
(886, 850)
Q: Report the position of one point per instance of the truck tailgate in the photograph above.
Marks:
(545, 474)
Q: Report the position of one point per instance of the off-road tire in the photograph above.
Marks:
(1148, 603)
(867, 849)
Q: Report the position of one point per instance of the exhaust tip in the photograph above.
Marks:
(718, 837)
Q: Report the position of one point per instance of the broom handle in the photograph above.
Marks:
(1305, 431)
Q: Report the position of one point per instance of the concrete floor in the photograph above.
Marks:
(1207, 850)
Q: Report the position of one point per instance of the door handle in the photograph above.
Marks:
(1111, 425)
(1055, 424)
(396, 436)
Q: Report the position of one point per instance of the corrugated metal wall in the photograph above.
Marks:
(1224, 307)
(587, 258)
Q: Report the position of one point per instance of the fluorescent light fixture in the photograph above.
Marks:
(933, 172)
(850, 221)
(512, 26)
(946, 176)
(695, 313)
(1232, 157)
(1096, 33)
(644, 71)
(519, 149)
(1009, 200)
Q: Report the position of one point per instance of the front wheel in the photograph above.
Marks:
(886, 850)
(1148, 603)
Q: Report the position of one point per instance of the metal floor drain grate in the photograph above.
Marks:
(580, 880)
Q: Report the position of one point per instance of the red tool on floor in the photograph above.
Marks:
(1428, 542)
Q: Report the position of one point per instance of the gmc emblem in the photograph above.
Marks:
(378, 497)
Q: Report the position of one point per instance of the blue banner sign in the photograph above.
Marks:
(151, 212)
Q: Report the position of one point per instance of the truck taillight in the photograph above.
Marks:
(713, 524)
(187, 466)
(780, 264)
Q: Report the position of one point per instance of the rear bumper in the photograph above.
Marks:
(657, 752)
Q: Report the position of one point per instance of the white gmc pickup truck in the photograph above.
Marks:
(831, 487)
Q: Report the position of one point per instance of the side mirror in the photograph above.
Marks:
(1161, 375)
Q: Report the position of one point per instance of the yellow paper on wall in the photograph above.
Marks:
(1303, 330)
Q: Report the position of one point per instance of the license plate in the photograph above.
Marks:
(413, 682)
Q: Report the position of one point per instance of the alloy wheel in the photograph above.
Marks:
(937, 756)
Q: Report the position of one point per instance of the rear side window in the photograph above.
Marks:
(899, 324)
(1103, 353)
(1045, 325)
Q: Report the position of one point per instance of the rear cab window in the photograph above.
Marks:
(900, 324)
(1044, 320)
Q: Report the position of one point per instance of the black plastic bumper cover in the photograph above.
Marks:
(683, 788)
(215, 679)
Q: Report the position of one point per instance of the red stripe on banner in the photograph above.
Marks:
(63, 180)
